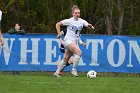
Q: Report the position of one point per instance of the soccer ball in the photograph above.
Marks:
(91, 74)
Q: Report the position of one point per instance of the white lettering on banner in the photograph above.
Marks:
(110, 53)
(50, 51)
(7, 49)
(52, 56)
(133, 46)
(35, 47)
(94, 50)
(81, 62)
(34, 51)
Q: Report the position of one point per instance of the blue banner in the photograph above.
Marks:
(40, 52)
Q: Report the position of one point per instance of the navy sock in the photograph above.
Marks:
(65, 66)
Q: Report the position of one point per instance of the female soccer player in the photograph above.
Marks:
(62, 49)
(74, 27)
(1, 36)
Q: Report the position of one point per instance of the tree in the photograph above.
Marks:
(108, 16)
(121, 17)
(121, 14)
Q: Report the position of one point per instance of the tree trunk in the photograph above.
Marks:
(70, 6)
(121, 13)
(108, 16)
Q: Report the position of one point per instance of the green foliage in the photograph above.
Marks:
(133, 30)
(35, 15)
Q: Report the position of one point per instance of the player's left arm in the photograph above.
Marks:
(88, 25)
(81, 42)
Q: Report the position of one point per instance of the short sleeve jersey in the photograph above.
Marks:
(74, 27)
(0, 15)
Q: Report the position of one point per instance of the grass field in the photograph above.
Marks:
(45, 83)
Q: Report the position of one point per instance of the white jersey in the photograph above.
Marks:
(74, 28)
(79, 39)
(0, 15)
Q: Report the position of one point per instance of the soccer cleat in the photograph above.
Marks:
(74, 73)
(56, 75)
(61, 72)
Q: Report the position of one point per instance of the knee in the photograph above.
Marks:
(77, 57)
(79, 53)
(65, 59)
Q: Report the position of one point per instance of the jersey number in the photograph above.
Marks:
(77, 32)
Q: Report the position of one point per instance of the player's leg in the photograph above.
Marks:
(62, 49)
(63, 63)
(70, 61)
(77, 54)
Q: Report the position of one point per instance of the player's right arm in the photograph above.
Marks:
(1, 39)
(58, 29)
(65, 22)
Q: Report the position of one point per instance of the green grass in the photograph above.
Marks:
(45, 83)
